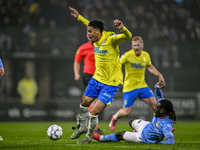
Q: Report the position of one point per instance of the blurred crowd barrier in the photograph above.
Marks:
(185, 104)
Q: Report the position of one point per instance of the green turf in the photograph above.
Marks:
(32, 135)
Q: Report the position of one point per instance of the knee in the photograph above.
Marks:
(130, 123)
(127, 112)
(119, 135)
(85, 101)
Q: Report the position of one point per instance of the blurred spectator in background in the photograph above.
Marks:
(27, 88)
(160, 51)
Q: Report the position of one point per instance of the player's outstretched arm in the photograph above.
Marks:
(154, 71)
(74, 13)
(158, 91)
(168, 141)
(121, 37)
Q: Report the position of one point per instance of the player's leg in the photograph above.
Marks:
(105, 98)
(151, 101)
(138, 124)
(107, 138)
(97, 129)
(83, 116)
(148, 96)
(93, 121)
(123, 112)
(116, 137)
(89, 95)
(128, 100)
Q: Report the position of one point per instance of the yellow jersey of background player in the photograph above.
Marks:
(135, 67)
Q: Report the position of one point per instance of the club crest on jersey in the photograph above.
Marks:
(113, 34)
(158, 123)
(103, 42)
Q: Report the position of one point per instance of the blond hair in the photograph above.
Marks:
(137, 38)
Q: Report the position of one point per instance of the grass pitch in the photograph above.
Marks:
(32, 135)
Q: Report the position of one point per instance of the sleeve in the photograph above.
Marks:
(168, 141)
(1, 64)
(78, 56)
(123, 58)
(149, 60)
(159, 94)
(119, 38)
(167, 131)
(83, 20)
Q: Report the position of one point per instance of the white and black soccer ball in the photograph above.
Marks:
(54, 132)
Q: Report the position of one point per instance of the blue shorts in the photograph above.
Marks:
(129, 97)
(102, 92)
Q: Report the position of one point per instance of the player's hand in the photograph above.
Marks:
(2, 72)
(118, 24)
(160, 85)
(77, 77)
(74, 13)
(162, 80)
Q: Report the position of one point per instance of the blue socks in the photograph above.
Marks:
(110, 138)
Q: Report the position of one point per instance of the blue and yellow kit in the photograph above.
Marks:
(106, 50)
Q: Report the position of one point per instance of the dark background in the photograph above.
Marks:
(45, 34)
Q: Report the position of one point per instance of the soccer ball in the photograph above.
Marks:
(54, 132)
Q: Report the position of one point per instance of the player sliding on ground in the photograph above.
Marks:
(145, 131)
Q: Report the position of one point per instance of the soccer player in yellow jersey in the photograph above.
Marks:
(136, 61)
(108, 74)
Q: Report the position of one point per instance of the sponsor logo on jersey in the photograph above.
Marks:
(137, 65)
(158, 123)
(113, 34)
(99, 52)
(168, 125)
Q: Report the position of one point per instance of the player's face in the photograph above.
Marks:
(89, 39)
(137, 46)
(157, 110)
(93, 34)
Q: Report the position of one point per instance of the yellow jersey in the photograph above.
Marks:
(135, 67)
(106, 50)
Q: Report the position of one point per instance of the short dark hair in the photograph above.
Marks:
(97, 24)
